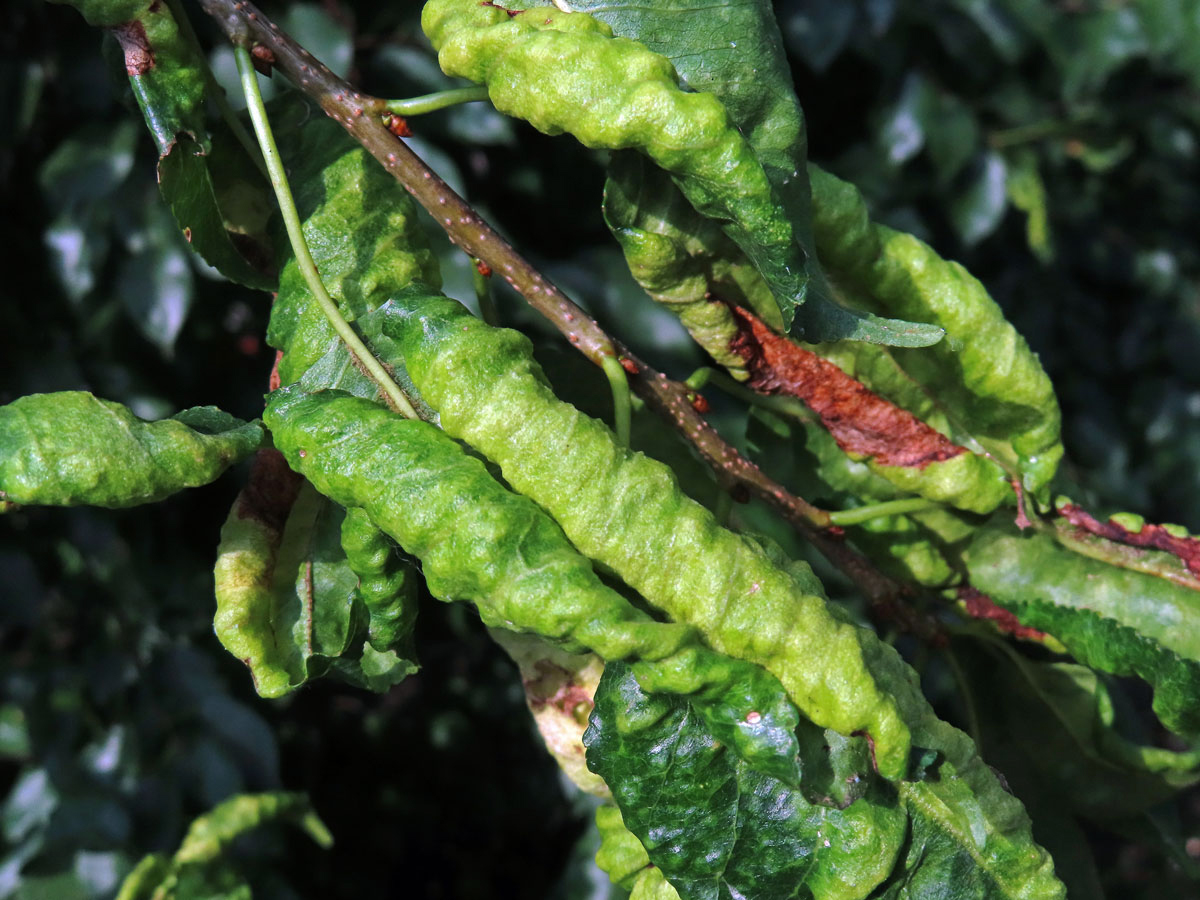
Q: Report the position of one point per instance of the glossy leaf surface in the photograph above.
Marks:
(717, 829)
(546, 68)
(627, 511)
(479, 542)
(71, 448)
(1113, 619)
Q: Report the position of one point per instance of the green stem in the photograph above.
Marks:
(291, 220)
(860, 514)
(620, 394)
(427, 103)
(483, 294)
(787, 406)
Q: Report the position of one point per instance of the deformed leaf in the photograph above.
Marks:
(716, 828)
(682, 259)
(197, 868)
(479, 542)
(1110, 618)
(628, 512)
(559, 688)
(895, 443)
(387, 585)
(969, 836)
(70, 449)
(983, 378)
(546, 68)
(289, 604)
(364, 235)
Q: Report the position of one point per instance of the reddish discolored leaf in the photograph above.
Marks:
(979, 605)
(139, 57)
(1155, 537)
(860, 421)
(270, 491)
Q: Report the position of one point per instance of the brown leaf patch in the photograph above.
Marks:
(270, 491)
(139, 58)
(980, 606)
(860, 420)
(1154, 537)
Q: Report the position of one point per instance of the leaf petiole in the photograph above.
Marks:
(620, 394)
(859, 514)
(291, 220)
(427, 103)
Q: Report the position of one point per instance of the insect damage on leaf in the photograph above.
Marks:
(980, 606)
(72, 449)
(983, 375)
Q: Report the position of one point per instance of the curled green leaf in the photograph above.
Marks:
(565, 72)
(291, 606)
(477, 541)
(386, 583)
(628, 512)
(197, 867)
(983, 376)
(364, 236)
(73, 449)
(682, 260)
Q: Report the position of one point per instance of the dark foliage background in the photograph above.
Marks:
(1051, 147)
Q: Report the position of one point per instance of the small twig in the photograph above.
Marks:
(245, 25)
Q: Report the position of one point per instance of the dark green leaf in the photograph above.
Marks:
(1113, 619)
(186, 184)
(716, 828)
